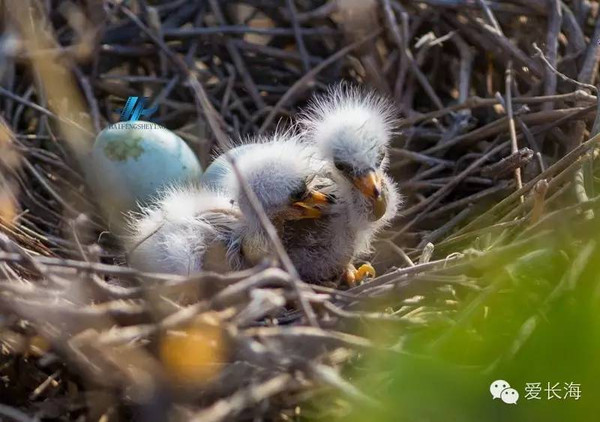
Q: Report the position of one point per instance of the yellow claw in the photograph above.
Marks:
(353, 276)
(364, 271)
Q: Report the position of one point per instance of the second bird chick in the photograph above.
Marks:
(352, 130)
(320, 248)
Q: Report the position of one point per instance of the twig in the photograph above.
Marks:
(514, 147)
(539, 195)
(298, 36)
(229, 407)
(430, 202)
(238, 60)
(554, 23)
(440, 232)
(477, 102)
(16, 414)
(303, 82)
(490, 15)
(329, 376)
(427, 253)
(556, 168)
(407, 54)
(562, 75)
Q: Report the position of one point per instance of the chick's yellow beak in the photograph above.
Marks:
(303, 210)
(309, 207)
(317, 198)
(371, 186)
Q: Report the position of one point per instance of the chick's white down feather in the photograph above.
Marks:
(353, 127)
(349, 125)
(173, 234)
(274, 171)
(216, 175)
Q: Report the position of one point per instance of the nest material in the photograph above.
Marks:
(494, 151)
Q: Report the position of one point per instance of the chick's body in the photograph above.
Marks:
(351, 130)
(322, 248)
(187, 230)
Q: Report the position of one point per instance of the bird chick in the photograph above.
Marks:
(321, 248)
(352, 131)
(189, 229)
(280, 173)
(185, 230)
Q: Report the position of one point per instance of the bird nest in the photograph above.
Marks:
(494, 157)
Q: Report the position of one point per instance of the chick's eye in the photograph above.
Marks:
(341, 166)
(299, 194)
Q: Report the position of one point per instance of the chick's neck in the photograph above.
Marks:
(256, 244)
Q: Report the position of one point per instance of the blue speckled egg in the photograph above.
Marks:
(132, 161)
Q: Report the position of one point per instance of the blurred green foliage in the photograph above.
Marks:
(535, 319)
